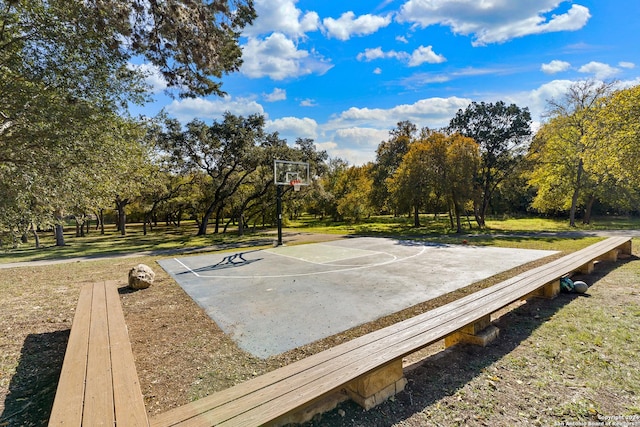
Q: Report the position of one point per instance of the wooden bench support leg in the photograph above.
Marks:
(625, 248)
(587, 268)
(481, 333)
(610, 256)
(548, 291)
(377, 386)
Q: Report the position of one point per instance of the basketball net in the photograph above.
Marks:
(296, 184)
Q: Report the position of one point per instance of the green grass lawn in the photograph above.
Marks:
(509, 232)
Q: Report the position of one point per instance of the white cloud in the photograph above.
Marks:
(555, 66)
(371, 54)
(353, 156)
(431, 112)
(419, 56)
(425, 54)
(494, 21)
(291, 128)
(188, 109)
(538, 99)
(308, 103)
(625, 64)
(282, 16)
(347, 25)
(278, 58)
(599, 70)
(277, 95)
(402, 39)
(362, 137)
(419, 80)
(378, 70)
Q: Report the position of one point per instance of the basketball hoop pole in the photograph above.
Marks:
(279, 212)
(279, 193)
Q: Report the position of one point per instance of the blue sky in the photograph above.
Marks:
(344, 73)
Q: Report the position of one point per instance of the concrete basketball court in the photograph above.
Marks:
(273, 300)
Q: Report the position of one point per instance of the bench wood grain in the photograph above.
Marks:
(98, 383)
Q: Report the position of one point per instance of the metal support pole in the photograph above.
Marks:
(279, 212)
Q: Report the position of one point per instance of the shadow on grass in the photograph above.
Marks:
(448, 371)
(33, 387)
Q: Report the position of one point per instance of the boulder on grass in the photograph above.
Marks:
(141, 277)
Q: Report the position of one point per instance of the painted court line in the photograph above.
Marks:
(313, 273)
(338, 254)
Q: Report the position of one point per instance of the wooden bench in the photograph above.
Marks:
(369, 368)
(98, 383)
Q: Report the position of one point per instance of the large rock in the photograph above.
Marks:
(141, 277)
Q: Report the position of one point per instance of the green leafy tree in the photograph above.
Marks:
(355, 203)
(617, 126)
(417, 177)
(389, 155)
(463, 158)
(567, 170)
(226, 151)
(333, 188)
(503, 133)
(65, 67)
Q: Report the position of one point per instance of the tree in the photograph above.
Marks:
(333, 188)
(502, 132)
(226, 151)
(617, 127)
(564, 155)
(389, 155)
(462, 163)
(419, 176)
(356, 202)
(65, 67)
(189, 41)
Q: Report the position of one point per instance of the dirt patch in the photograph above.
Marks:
(570, 359)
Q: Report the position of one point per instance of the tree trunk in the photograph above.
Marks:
(218, 220)
(483, 211)
(101, 214)
(202, 228)
(59, 229)
(451, 217)
(576, 194)
(416, 216)
(241, 225)
(587, 210)
(122, 215)
(35, 236)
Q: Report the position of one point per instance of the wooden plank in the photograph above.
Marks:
(275, 394)
(127, 394)
(69, 399)
(98, 403)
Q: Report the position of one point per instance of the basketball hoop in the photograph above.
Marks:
(296, 184)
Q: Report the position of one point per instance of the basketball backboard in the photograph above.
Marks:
(289, 173)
